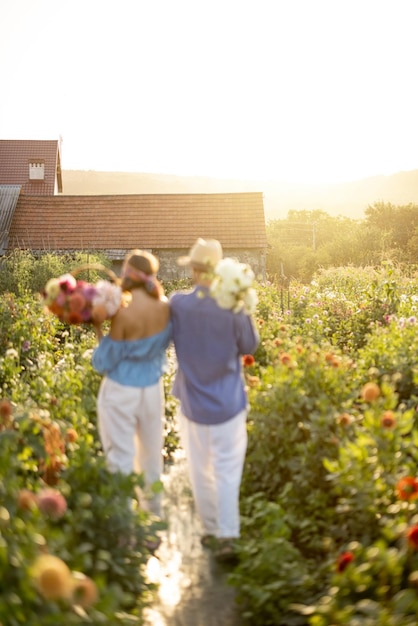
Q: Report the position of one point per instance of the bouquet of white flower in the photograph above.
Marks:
(232, 286)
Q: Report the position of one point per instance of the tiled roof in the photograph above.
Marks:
(15, 156)
(171, 221)
(9, 195)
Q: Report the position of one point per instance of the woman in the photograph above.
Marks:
(132, 358)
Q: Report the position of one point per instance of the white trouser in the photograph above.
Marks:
(131, 431)
(215, 456)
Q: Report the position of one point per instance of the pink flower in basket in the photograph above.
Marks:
(78, 302)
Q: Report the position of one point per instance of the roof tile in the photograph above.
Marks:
(166, 221)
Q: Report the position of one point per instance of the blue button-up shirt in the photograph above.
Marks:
(209, 343)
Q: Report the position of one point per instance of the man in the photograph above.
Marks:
(209, 343)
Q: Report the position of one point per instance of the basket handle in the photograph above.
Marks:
(95, 266)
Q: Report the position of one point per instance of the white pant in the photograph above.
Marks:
(216, 457)
(131, 431)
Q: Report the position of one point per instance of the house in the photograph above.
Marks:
(26, 167)
(33, 165)
(165, 224)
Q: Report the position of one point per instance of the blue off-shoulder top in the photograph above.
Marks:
(137, 363)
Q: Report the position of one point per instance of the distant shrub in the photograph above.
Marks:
(23, 271)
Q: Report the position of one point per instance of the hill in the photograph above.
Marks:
(345, 199)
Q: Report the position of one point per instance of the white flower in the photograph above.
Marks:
(225, 300)
(107, 295)
(52, 289)
(250, 300)
(11, 353)
(232, 286)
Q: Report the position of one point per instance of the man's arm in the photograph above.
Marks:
(248, 337)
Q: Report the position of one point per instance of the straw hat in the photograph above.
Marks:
(205, 254)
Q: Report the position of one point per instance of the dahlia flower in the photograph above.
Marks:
(232, 286)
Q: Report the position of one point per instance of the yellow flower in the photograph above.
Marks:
(52, 577)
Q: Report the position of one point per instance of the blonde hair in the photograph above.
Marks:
(144, 261)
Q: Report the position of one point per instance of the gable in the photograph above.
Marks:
(35, 165)
(157, 222)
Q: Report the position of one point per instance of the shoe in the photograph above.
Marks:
(225, 551)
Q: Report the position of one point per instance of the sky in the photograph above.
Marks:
(299, 91)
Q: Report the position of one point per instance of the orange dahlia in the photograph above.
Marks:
(407, 488)
(248, 360)
(370, 392)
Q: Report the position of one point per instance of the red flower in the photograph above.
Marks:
(407, 488)
(412, 536)
(67, 283)
(248, 360)
(343, 560)
(74, 317)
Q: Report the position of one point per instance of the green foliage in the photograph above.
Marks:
(49, 440)
(22, 272)
(398, 223)
(323, 463)
(321, 479)
(392, 355)
(377, 588)
(271, 568)
(99, 534)
(180, 284)
(308, 241)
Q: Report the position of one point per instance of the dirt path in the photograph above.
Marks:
(192, 586)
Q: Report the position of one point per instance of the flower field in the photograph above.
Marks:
(72, 549)
(330, 489)
(329, 495)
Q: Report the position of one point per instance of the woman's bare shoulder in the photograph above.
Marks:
(165, 308)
